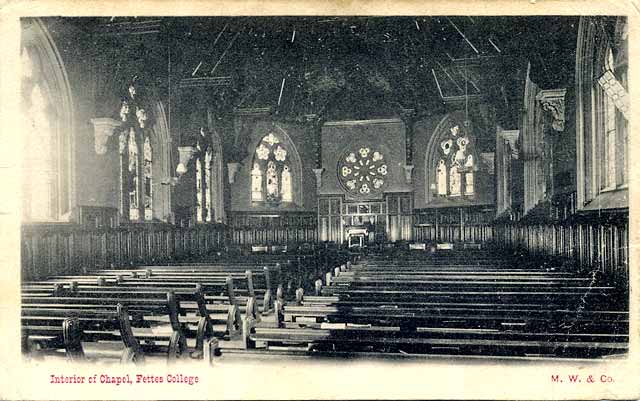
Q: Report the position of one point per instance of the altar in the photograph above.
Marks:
(357, 236)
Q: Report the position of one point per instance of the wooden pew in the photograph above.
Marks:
(463, 308)
(50, 329)
(440, 341)
(258, 285)
(149, 309)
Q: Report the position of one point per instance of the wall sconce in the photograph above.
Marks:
(233, 170)
(318, 173)
(185, 154)
(103, 129)
(552, 101)
(408, 169)
(511, 137)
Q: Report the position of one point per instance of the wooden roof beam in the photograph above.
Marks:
(463, 36)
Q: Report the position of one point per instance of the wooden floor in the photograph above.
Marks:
(470, 304)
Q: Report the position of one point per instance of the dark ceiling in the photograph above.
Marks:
(338, 67)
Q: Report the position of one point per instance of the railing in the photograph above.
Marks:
(51, 249)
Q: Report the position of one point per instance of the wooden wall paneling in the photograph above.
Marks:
(594, 242)
(52, 249)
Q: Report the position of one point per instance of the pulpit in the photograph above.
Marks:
(357, 236)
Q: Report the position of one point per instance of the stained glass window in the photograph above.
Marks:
(199, 210)
(209, 185)
(363, 171)
(136, 171)
(271, 173)
(148, 180)
(205, 187)
(136, 158)
(133, 176)
(454, 165)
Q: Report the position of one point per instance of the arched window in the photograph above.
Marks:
(612, 90)
(272, 173)
(136, 160)
(602, 107)
(148, 179)
(451, 163)
(209, 195)
(47, 131)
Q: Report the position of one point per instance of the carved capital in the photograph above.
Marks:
(511, 136)
(408, 169)
(311, 118)
(407, 115)
(318, 173)
(103, 129)
(489, 160)
(552, 101)
(185, 154)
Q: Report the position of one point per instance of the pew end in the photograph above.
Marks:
(211, 351)
(299, 296)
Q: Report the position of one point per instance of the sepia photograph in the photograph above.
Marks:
(204, 194)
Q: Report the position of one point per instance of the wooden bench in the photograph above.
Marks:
(149, 309)
(469, 309)
(439, 341)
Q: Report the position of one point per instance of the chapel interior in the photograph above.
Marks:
(211, 188)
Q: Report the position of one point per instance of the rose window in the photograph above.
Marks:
(363, 171)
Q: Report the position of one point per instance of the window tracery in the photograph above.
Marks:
(362, 171)
(136, 159)
(455, 166)
(208, 179)
(271, 175)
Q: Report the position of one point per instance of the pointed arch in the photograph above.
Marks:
(292, 161)
(602, 106)
(460, 158)
(55, 131)
(145, 193)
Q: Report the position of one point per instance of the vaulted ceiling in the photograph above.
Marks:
(338, 67)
